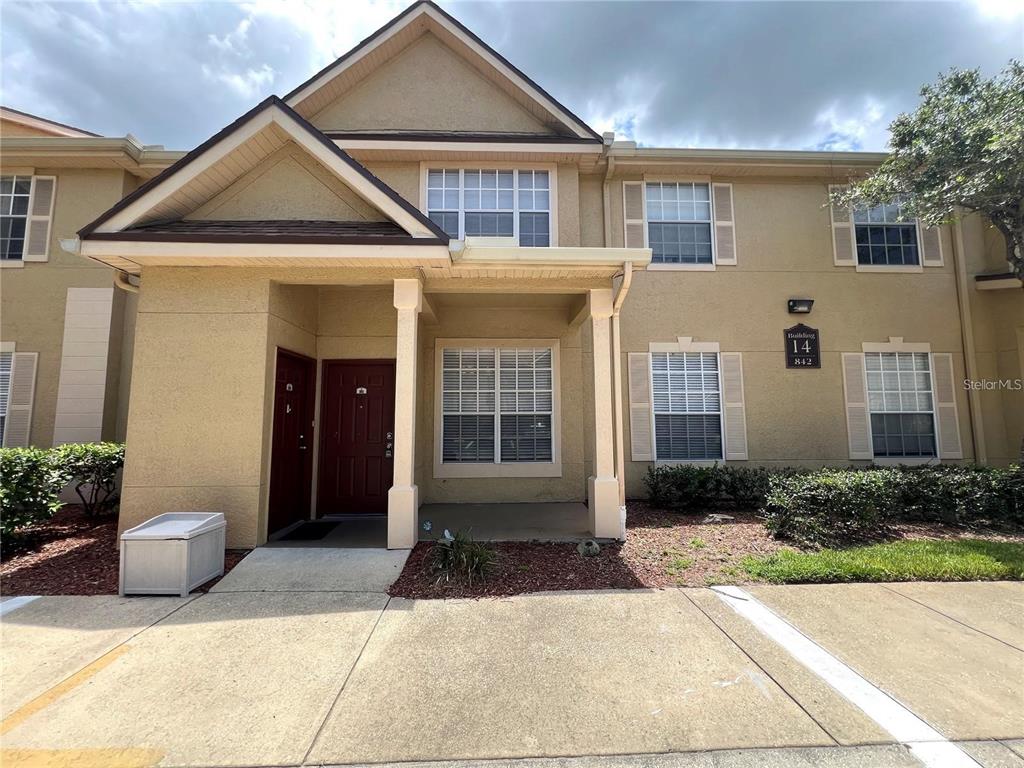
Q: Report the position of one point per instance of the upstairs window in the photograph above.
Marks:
(883, 237)
(679, 222)
(475, 202)
(687, 406)
(901, 404)
(14, 196)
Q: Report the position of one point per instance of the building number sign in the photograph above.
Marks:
(803, 347)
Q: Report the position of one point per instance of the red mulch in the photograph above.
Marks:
(71, 554)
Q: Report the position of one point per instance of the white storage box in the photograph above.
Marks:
(172, 554)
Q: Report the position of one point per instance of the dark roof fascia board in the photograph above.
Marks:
(465, 30)
(52, 122)
(267, 103)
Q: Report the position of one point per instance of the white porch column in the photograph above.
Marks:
(602, 487)
(403, 497)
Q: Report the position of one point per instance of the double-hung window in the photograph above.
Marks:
(14, 197)
(901, 404)
(883, 237)
(497, 405)
(687, 406)
(481, 202)
(679, 222)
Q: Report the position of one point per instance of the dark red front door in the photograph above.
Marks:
(357, 436)
(291, 460)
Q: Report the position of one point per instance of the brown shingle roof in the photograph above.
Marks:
(270, 231)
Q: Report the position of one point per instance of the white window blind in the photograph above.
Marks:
(6, 362)
(901, 404)
(687, 406)
(497, 404)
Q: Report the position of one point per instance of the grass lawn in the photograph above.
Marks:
(904, 560)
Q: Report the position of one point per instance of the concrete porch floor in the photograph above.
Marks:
(550, 521)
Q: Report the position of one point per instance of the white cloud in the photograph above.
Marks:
(843, 130)
(249, 84)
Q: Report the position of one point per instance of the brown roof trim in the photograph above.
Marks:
(463, 29)
(271, 101)
(142, 236)
(503, 138)
(51, 122)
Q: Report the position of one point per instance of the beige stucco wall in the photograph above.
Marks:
(997, 319)
(33, 296)
(416, 91)
(784, 244)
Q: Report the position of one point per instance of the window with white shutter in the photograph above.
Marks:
(687, 404)
(497, 405)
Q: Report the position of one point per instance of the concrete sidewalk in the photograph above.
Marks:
(557, 680)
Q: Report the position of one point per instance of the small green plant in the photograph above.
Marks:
(91, 469)
(678, 563)
(459, 558)
(30, 482)
(698, 543)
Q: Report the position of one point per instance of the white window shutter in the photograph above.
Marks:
(725, 224)
(641, 432)
(733, 407)
(930, 242)
(842, 234)
(18, 424)
(40, 217)
(634, 226)
(947, 421)
(858, 420)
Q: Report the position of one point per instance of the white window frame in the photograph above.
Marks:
(461, 166)
(659, 267)
(686, 344)
(898, 345)
(496, 468)
(906, 268)
(7, 348)
(16, 173)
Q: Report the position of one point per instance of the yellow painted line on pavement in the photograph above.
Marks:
(80, 758)
(43, 700)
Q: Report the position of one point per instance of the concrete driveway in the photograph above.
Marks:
(680, 676)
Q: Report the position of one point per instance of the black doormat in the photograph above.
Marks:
(311, 531)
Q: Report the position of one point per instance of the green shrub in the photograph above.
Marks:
(832, 507)
(686, 487)
(459, 558)
(30, 482)
(91, 468)
(962, 494)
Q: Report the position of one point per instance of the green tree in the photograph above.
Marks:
(961, 150)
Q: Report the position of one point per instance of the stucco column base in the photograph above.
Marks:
(603, 501)
(403, 516)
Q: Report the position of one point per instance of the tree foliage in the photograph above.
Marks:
(961, 150)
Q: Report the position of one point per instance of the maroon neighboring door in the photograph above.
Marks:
(291, 459)
(357, 417)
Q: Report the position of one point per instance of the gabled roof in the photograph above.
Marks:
(44, 124)
(427, 12)
(145, 205)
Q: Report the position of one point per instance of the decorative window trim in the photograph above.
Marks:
(462, 165)
(896, 344)
(551, 468)
(687, 344)
(684, 344)
(672, 179)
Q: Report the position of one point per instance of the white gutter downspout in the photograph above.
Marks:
(122, 281)
(963, 301)
(620, 459)
(607, 200)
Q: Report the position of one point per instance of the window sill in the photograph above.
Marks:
(904, 268)
(659, 267)
(519, 469)
(11, 263)
(689, 462)
(905, 461)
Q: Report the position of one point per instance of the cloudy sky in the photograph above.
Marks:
(757, 74)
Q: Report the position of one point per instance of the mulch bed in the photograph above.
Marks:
(71, 554)
(662, 549)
